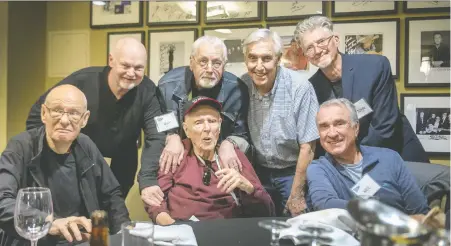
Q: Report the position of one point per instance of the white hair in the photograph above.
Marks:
(210, 40)
(263, 35)
(311, 24)
(344, 102)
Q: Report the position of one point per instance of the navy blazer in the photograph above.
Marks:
(369, 77)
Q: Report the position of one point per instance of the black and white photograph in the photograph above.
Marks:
(234, 50)
(293, 10)
(231, 11)
(435, 45)
(108, 14)
(168, 50)
(432, 121)
(171, 56)
(429, 115)
(160, 13)
(364, 44)
(427, 50)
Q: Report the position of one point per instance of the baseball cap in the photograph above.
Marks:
(201, 100)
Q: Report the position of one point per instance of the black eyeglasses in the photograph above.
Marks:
(206, 177)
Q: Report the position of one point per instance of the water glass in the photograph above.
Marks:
(137, 233)
(275, 226)
(33, 213)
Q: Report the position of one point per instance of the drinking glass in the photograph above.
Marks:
(316, 235)
(275, 226)
(33, 213)
(137, 233)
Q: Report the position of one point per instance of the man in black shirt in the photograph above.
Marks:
(122, 101)
(58, 157)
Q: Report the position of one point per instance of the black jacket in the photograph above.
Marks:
(20, 167)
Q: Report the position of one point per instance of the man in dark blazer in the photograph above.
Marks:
(365, 80)
(421, 123)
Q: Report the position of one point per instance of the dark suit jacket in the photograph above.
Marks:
(369, 77)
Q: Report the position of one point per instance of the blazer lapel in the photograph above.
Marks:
(347, 77)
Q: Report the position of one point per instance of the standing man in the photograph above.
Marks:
(122, 101)
(281, 121)
(439, 52)
(366, 80)
(205, 76)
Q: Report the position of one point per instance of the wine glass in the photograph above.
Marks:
(274, 226)
(316, 235)
(33, 214)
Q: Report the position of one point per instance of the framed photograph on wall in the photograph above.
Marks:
(361, 8)
(294, 10)
(113, 37)
(429, 115)
(168, 50)
(160, 13)
(427, 52)
(426, 6)
(293, 56)
(233, 38)
(232, 11)
(109, 14)
(379, 37)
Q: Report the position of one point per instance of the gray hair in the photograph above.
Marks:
(211, 40)
(311, 24)
(263, 35)
(343, 102)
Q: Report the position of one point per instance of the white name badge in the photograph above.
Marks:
(362, 108)
(193, 218)
(366, 187)
(166, 122)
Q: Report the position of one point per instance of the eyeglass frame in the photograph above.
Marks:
(63, 113)
(208, 63)
(318, 44)
(206, 177)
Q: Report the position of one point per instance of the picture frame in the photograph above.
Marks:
(169, 49)
(294, 10)
(113, 37)
(113, 14)
(426, 63)
(232, 11)
(233, 38)
(426, 6)
(292, 57)
(363, 8)
(371, 37)
(434, 134)
(163, 13)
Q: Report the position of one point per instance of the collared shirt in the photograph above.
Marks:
(282, 119)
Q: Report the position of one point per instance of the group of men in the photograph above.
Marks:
(216, 146)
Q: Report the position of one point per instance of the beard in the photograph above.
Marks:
(127, 86)
(207, 83)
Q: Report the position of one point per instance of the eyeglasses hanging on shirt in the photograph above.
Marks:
(208, 170)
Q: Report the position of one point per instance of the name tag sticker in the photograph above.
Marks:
(193, 218)
(166, 122)
(366, 187)
(362, 108)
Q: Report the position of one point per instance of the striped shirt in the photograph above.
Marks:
(282, 119)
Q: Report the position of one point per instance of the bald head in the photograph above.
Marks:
(128, 45)
(67, 93)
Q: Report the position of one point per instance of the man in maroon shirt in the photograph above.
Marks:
(202, 187)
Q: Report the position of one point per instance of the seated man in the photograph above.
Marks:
(59, 157)
(351, 170)
(201, 186)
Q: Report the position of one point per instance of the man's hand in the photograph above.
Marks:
(435, 218)
(69, 228)
(228, 156)
(296, 204)
(152, 196)
(172, 154)
(164, 218)
(231, 179)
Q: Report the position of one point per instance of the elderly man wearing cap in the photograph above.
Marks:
(202, 187)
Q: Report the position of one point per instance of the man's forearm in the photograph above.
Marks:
(306, 154)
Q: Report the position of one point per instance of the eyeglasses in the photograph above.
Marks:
(57, 114)
(322, 43)
(203, 63)
(206, 177)
(339, 126)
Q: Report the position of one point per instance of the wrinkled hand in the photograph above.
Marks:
(69, 228)
(172, 154)
(152, 196)
(435, 218)
(231, 179)
(296, 204)
(228, 156)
